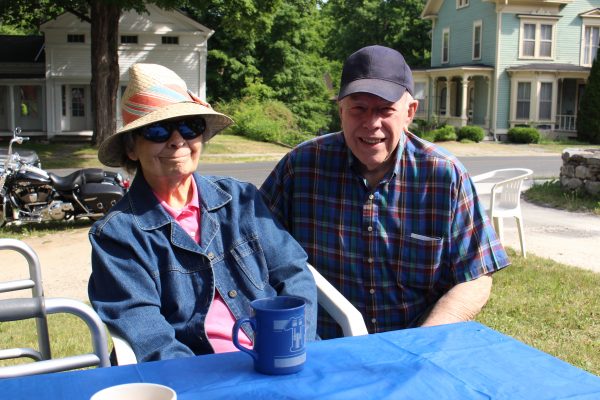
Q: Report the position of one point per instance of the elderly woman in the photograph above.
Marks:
(181, 256)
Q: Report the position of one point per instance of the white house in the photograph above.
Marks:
(56, 101)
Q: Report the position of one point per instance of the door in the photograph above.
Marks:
(77, 107)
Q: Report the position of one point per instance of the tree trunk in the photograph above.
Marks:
(105, 67)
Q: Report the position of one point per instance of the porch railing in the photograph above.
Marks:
(566, 122)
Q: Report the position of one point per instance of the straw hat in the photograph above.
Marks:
(155, 93)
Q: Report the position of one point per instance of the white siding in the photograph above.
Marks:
(70, 63)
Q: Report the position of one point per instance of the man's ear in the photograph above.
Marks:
(412, 108)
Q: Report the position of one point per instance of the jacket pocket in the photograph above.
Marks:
(249, 257)
(419, 262)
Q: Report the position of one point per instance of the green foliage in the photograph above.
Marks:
(393, 23)
(523, 135)
(233, 62)
(471, 132)
(267, 121)
(444, 134)
(269, 50)
(588, 115)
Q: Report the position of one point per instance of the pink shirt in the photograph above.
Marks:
(219, 319)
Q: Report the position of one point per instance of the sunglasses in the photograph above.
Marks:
(160, 132)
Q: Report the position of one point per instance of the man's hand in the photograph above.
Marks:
(462, 303)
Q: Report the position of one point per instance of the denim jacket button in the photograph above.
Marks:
(210, 255)
(232, 294)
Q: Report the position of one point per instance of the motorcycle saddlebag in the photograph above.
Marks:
(100, 197)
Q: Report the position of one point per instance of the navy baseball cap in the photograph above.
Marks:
(376, 70)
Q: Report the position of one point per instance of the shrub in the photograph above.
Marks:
(425, 135)
(266, 121)
(471, 132)
(444, 134)
(523, 135)
(588, 117)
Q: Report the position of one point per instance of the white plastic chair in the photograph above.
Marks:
(504, 188)
(37, 307)
(332, 301)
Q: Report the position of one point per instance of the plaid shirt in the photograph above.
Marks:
(392, 250)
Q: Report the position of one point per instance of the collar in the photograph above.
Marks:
(193, 204)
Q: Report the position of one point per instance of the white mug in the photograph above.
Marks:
(137, 391)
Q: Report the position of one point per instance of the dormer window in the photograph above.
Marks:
(75, 38)
(170, 40)
(129, 39)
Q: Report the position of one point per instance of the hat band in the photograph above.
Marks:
(150, 100)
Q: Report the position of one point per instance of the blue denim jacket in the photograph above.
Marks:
(153, 284)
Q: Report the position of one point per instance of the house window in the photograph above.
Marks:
(545, 112)
(591, 41)
(445, 45)
(170, 40)
(77, 102)
(443, 94)
(419, 95)
(462, 3)
(420, 91)
(477, 40)
(129, 39)
(72, 38)
(537, 39)
(523, 100)
(63, 97)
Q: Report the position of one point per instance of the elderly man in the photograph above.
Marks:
(389, 219)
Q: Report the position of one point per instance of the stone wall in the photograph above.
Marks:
(581, 170)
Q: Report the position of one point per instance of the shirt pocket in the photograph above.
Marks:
(250, 259)
(420, 258)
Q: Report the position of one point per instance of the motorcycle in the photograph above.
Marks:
(30, 194)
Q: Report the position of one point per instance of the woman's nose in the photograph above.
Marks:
(176, 140)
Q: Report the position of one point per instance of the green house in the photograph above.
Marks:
(505, 63)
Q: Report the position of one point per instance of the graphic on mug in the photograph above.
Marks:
(295, 329)
(296, 326)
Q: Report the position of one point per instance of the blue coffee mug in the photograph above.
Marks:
(279, 327)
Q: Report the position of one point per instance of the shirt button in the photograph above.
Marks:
(372, 291)
(370, 260)
(232, 294)
(210, 255)
(371, 196)
(373, 320)
(370, 229)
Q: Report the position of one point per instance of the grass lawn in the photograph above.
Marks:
(550, 306)
(221, 148)
(551, 194)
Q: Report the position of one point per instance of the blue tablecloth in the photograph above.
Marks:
(458, 361)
